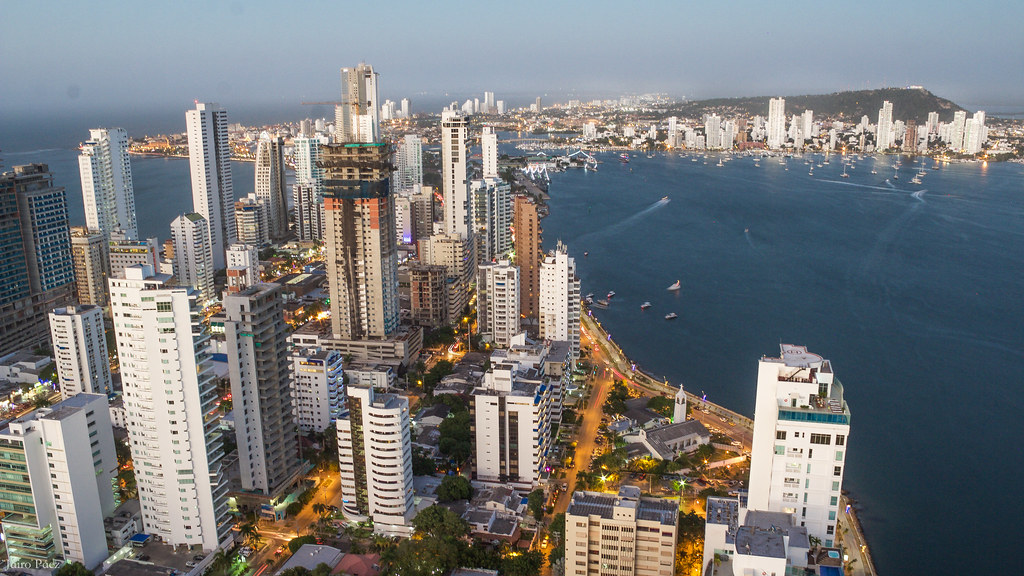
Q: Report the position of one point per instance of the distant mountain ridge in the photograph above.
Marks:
(907, 104)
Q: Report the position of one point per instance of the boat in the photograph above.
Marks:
(611, 294)
(601, 304)
(585, 254)
(674, 286)
(915, 180)
(591, 295)
(874, 171)
(719, 164)
(844, 174)
(624, 158)
(671, 316)
(645, 305)
(664, 197)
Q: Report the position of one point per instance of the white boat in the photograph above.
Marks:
(671, 316)
(645, 305)
(674, 286)
(611, 294)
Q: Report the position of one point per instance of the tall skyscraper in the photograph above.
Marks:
(89, 255)
(498, 302)
(256, 341)
(528, 253)
(318, 388)
(634, 534)
(270, 183)
(36, 267)
(306, 153)
(243, 262)
(59, 465)
(193, 262)
(807, 124)
(957, 130)
(408, 164)
(489, 146)
(406, 113)
(252, 221)
(169, 393)
(454, 171)
(455, 253)
(491, 219)
(375, 460)
(489, 107)
(975, 133)
(209, 158)
(933, 122)
(107, 183)
(362, 254)
(801, 427)
(309, 211)
(560, 299)
(776, 122)
(884, 131)
(80, 350)
(357, 118)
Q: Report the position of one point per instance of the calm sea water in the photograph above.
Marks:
(914, 292)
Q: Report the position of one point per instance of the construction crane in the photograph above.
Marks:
(331, 103)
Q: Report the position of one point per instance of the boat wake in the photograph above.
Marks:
(890, 184)
(868, 186)
(614, 228)
(34, 152)
(918, 195)
(746, 234)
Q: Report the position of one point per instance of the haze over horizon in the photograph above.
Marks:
(90, 57)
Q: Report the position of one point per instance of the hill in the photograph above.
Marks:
(907, 104)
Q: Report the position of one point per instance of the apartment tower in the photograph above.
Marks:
(80, 350)
(209, 158)
(107, 188)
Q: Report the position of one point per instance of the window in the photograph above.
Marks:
(821, 438)
(835, 486)
(780, 434)
(837, 471)
(840, 440)
(831, 530)
(834, 501)
(839, 455)
(780, 450)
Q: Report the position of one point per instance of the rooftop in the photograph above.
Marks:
(754, 541)
(603, 505)
(312, 555)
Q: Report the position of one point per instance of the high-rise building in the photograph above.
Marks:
(975, 133)
(776, 122)
(209, 158)
(256, 340)
(123, 253)
(488, 106)
(107, 183)
(80, 350)
(357, 118)
(309, 211)
(306, 154)
(252, 221)
(498, 302)
(489, 147)
(270, 183)
(512, 415)
(455, 253)
(59, 468)
(933, 123)
(491, 219)
(375, 460)
(537, 105)
(528, 253)
(625, 534)
(408, 164)
(422, 204)
(193, 261)
(428, 294)
(362, 255)
(243, 262)
(318, 388)
(884, 129)
(170, 392)
(801, 427)
(807, 124)
(36, 267)
(89, 255)
(501, 107)
(454, 171)
(713, 131)
(405, 108)
(559, 309)
(957, 130)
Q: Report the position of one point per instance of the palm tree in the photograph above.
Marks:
(220, 563)
(321, 510)
(250, 534)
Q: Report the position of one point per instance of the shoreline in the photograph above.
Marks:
(848, 521)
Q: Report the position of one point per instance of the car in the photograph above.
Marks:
(280, 550)
(198, 557)
(246, 552)
(191, 564)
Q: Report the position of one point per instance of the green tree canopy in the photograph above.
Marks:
(535, 502)
(661, 405)
(295, 543)
(456, 439)
(616, 402)
(440, 522)
(73, 569)
(454, 488)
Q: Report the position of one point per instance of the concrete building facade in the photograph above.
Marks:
(209, 159)
(80, 350)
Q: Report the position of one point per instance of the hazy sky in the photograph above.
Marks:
(89, 55)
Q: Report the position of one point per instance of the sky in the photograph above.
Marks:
(70, 57)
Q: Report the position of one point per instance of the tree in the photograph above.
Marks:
(422, 465)
(456, 439)
(73, 569)
(616, 402)
(296, 571)
(557, 526)
(661, 405)
(220, 564)
(295, 543)
(454, 488)
(535, 502)
(704, 452)
(440, 522)
(41, 401)
(293, 509)
(250, 534)
(523, 564)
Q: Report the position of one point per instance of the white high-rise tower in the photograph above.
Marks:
(357, 118)
(193, 261)
(170, 392)
(107, 183)
(270, 182)
(560, 299)
(884, 132)
(498, 302)
(80, 350)
(489, 145)
(801, 426)
(455, 181)
(776, 122)
(209, 158)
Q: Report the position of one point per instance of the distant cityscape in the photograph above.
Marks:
(386, 373)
